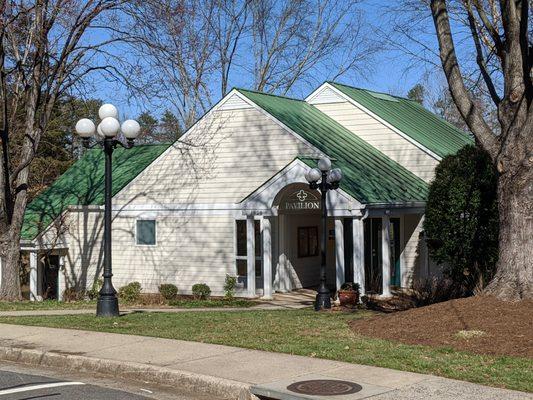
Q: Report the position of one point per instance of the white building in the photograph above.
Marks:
(230, 197)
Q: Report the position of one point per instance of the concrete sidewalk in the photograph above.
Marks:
(221, 371)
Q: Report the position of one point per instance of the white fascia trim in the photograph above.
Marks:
(309, 98)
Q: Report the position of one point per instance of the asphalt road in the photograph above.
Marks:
(18, 382)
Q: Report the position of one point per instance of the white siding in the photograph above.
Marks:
(224, 159)
(84, 236)
(189, 250)
(382, 137)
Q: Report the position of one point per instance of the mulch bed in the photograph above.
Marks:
(506, 327)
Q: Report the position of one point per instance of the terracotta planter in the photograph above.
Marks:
(348, 297)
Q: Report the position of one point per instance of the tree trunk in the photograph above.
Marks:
(10, 253)
(514, 274)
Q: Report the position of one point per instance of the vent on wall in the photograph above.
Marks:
(327, 95)
(234, 102)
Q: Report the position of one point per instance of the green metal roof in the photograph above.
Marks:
(369, 175)
(408, 116)
(83, 184)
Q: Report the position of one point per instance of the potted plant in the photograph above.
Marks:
(349, 294)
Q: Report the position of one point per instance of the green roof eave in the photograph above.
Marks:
(83, 184)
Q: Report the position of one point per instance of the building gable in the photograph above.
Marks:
(232, 150)
(406, 117)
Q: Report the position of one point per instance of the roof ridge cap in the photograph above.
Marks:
(368, 90)
(268, 94)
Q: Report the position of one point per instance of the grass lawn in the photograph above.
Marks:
(79, 305)
(212, 303)
(307, 333)
(46, 305)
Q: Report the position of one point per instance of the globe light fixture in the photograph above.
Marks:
(313, 175)
(130, 129)
(335, 175)
(324, 164)
(110, 127)
(107, 110)
(85, 128)
(324, 179)
(105, 136)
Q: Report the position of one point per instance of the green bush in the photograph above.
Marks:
(168, 291)
(131, 292)
(92, 294)
(461, 220)
(201, 291)
(229, 286)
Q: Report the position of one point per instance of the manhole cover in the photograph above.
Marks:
(324, 387)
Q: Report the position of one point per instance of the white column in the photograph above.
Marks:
(359, 254)
(33, 276)
(61, 278)
(266, 230)
(339, 252)
(385, 254)
(250, 252)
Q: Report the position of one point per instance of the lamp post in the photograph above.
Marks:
(105, 134)
(324, 179)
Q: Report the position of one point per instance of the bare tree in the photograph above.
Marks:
(500, 36)
(44, 55)
(194, 59)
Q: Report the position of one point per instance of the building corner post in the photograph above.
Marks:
(61, 278)
(359, 254)
(34, 295)
(266, 229)
(339, 252)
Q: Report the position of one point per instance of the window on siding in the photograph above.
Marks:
(146, 234)
(242, 249)
(308, 241)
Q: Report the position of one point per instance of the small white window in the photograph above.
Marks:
(146, 232)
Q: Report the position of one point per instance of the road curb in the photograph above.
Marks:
(192, 382)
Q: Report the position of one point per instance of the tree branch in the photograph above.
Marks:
(466, 106)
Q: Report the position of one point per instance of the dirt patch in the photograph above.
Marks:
(479, 324)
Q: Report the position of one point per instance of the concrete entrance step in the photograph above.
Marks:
(317, 387)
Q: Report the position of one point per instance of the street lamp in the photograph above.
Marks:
(329, 179)
(105, 134)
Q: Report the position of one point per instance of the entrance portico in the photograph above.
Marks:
(289, 214)
(365, 243)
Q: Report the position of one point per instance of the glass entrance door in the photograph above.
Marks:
(373, 254)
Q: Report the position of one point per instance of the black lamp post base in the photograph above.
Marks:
(107, 306)
(323, 301)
